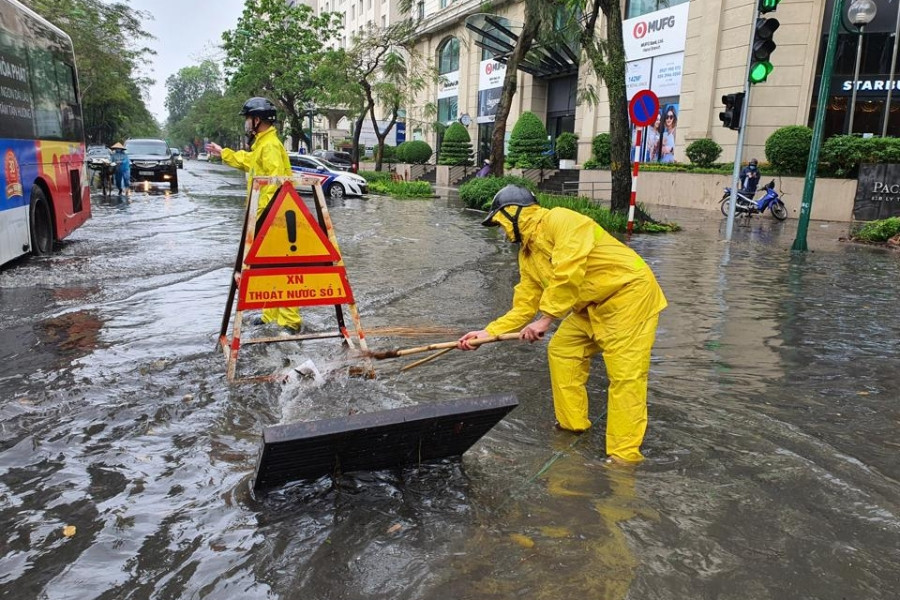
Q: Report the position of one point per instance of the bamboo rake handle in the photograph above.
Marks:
(427, 359)
(441, 346)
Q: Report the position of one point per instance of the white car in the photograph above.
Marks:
(335, 183)
(202, 156)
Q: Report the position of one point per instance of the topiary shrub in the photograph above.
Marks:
(528, 143)
(479, 192)
(456, 149)
(567, 146)
(601, 148)
(787, 149)
(414, 152)
(703, 152)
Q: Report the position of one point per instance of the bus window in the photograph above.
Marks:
(47, 115)
(15, 95)
(68, 102)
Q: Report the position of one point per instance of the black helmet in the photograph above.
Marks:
(510, 195)
(259, 107)
(754, 162)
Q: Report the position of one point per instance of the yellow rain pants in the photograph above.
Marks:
(627, 358)
(267, 158)
(570, 268)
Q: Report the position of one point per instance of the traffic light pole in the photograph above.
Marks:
(739, 151)
(812, 164)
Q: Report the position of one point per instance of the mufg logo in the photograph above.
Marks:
(641, 28)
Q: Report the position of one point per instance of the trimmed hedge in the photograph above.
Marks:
(375, 176)
(842, 154)
(479, 192)
(528, 143)
(879, 231)
(608, 220)
(567, 146)
(703, 152)
(601, 150)
(787, 149)
(402, 189)
(414, 152)
(456, 148)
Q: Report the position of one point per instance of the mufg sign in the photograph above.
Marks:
(877, 192)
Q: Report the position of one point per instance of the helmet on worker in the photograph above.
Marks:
(510, 196)
(258, 113)
(754, 162)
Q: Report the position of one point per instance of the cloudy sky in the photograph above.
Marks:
(186, 32)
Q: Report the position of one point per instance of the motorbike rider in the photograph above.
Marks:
(266, 158)
(750, 178)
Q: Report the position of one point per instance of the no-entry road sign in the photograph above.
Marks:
(643, 108)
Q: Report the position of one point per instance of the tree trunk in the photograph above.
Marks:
(619, 130)
(379, 153)
(510, 81)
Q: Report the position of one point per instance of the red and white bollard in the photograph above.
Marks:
(634, 174)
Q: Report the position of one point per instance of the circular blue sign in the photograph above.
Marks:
(643, 108)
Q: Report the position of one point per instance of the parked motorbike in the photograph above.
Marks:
(748, 206)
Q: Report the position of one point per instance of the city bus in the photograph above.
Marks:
(44, 194)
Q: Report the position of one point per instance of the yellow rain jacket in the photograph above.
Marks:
(568, 263)
(572, 269)
(267, 158)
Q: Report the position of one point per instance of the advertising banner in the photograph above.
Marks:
(448, 85)
(666, 78)
(656, 33)
(490, 85)
(637, 76)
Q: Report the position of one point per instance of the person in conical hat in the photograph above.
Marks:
(123, 167)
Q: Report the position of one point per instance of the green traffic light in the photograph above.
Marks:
(759, 71)
(766, 6)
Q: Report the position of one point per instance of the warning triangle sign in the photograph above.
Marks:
(290, 235)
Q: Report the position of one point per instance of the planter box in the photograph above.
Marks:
(833, 199)
(567, 163)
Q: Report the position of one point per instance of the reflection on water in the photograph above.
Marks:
(771, 465)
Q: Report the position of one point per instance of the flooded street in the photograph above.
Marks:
(772, 464)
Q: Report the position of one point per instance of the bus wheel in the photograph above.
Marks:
(41, 223)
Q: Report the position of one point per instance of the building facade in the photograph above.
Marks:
(689, 53)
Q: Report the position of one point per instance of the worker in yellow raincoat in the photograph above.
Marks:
(607, 299)
(267, 157)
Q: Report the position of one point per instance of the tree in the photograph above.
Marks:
(188, 85)
(456, 148)
(528, 143)
(274, 51)
(607, 57)
(108, 38)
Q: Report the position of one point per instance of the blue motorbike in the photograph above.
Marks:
(771, 201)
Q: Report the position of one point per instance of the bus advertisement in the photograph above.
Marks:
(44, 193)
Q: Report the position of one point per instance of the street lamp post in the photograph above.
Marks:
(311, 110)
(860, 13)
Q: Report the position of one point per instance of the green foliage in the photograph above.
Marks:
(787, 149)
(528, 143)
(567, 146)
(456, 148)
(402, 189)
(213, 116)
(274, 51)
(375, 176)
(590, 164)
(601, 148)
(109, 41)
(389, 154)
(188, 85)
(414, 152)
(479, 192)
(703, 152)
(608, 220)
(879, 231)
(842, 154)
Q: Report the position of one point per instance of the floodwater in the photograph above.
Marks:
(771, 469)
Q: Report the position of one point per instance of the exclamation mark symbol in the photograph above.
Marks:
(291, 218)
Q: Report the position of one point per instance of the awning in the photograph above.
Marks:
(498, 36)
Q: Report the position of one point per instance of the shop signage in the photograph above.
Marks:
(841, 86)
(666, 76)
(877, 192)
(637, 76)
(448, 85)
(656, 33)
(490, 85)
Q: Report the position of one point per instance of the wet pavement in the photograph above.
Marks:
(772, 448)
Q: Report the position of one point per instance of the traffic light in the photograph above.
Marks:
(763, 45)
(734, 105)
(767, 6)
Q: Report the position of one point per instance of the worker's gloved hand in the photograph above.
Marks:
(463, 343)
(536, 329)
